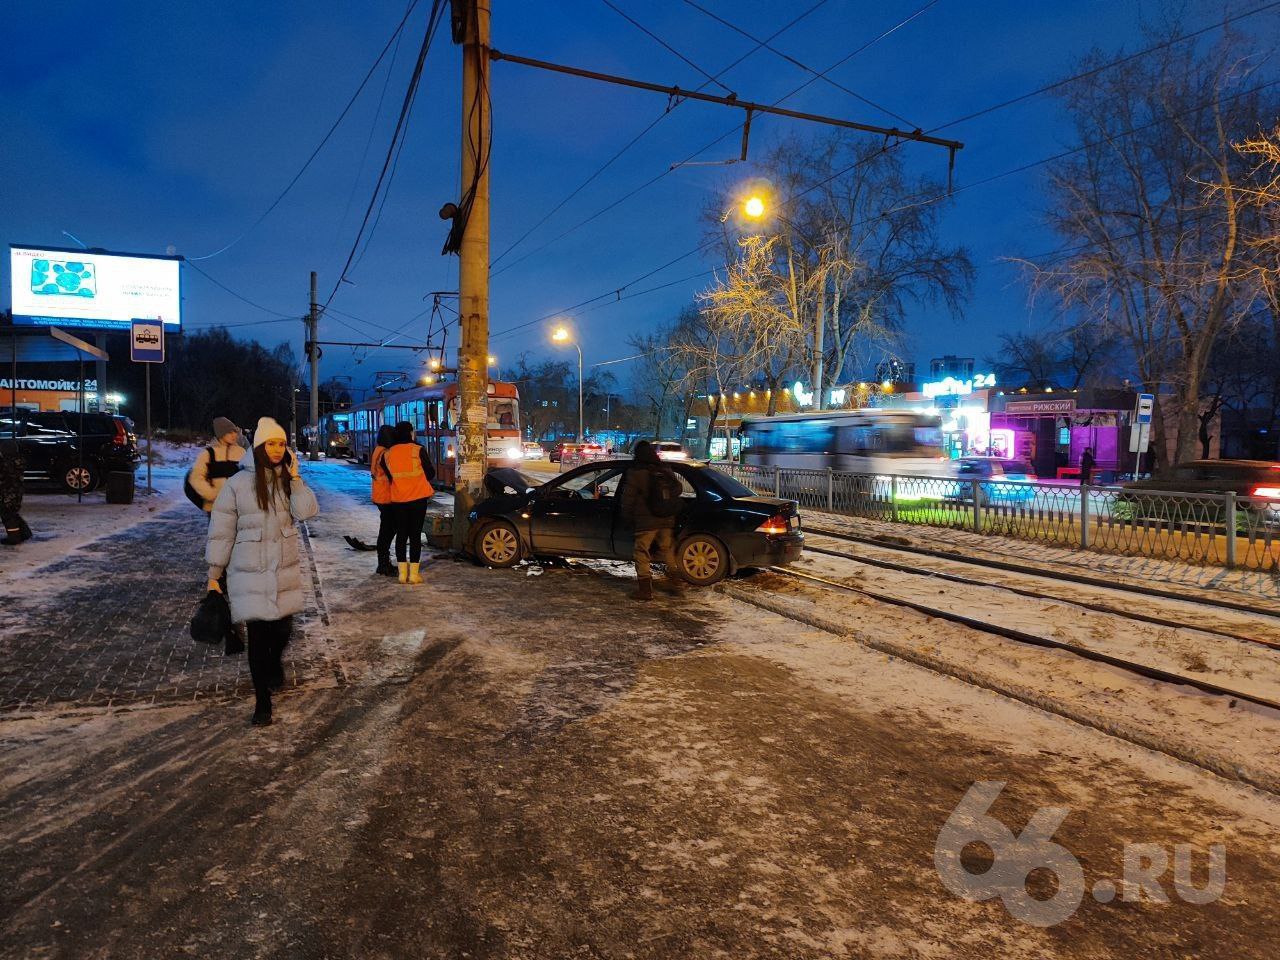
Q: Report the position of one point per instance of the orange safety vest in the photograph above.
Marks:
(408, 481)
(381, 482)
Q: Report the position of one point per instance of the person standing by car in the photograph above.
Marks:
(651, 502)
(15, 528)
(253, 539)
(381, 496)
(1086, 466)
(218, 463)
(409, 469)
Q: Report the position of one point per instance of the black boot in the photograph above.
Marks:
(386, 568)
(262, 710)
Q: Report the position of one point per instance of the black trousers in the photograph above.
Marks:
(386, 530)
(267, 640)
(409, 519)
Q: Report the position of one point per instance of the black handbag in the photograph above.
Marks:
(212, 620)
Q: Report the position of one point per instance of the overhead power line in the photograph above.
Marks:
(320, 146)
(433, 22)
(666, 46)
(618, 294)
(707, 146)
(1084, 75)
(239, 296)
(803, 66)
(643, 133)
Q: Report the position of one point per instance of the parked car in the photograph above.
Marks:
(1256, 484)
(53, 447)
(723, 526)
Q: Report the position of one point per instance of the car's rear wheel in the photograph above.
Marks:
(702, 559)
(498, 545)
(79, 477)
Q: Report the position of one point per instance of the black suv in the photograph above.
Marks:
(51, 445)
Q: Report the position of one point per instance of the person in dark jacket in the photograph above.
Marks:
(381, 496)
(15, 528)
(654, 535)
(1086, 465)
(409, 469)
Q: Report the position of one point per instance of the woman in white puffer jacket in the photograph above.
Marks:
(252, 537)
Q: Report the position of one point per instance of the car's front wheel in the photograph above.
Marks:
(498, 545)
(79, 477)
(703, 560)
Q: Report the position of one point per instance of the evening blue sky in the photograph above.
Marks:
(153, 126)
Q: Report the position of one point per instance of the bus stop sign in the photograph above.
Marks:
(146, 341)
(1146, 404)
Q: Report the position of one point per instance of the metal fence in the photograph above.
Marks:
(1223, 529)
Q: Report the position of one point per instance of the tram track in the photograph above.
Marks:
(1038, 595)
(1059, 575)
(1130, 666)
(1122, 712)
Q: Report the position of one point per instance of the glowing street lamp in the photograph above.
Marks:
(753, 207)
(561, 335)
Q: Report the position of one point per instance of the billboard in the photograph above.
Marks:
(93, 290)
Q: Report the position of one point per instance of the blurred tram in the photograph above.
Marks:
(856, 441)
(434, 412)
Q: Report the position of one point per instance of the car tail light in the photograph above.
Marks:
(121, 439)
(775, 524)
(1267, 493)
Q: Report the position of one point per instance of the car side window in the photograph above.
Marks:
(591, 484)
(686, 488)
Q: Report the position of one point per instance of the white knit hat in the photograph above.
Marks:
(268, 429)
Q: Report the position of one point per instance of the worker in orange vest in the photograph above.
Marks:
(381, 496)
(407, 467)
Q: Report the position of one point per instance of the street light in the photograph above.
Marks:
(753, 207)
(561, 335)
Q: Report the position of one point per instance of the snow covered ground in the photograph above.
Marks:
(536, 767)
(61, 524)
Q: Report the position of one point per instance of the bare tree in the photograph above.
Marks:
(657, 377)
(857, 238)
(1149, 210)
(761, 314)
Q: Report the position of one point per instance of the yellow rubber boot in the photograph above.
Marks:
(404, 573)
(414, 575)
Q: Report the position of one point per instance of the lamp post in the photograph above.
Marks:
(561, 335)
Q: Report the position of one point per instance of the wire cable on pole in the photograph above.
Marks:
(433, 22)
(320, 146)
(728, 133)
(668, 47)
(239, 296)
(803, 66)
(644, 132)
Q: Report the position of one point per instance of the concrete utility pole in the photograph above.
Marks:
(473, 268)
(313, 352)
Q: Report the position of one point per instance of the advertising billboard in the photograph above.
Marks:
(50, 286)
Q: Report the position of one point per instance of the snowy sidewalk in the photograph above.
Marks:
(107, 625)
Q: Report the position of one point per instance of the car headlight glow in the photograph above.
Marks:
(515, 453)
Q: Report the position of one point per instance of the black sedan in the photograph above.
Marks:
(722, 527)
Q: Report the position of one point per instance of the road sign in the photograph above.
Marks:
(1139, 437)
(1146, 404)
(146, 341)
